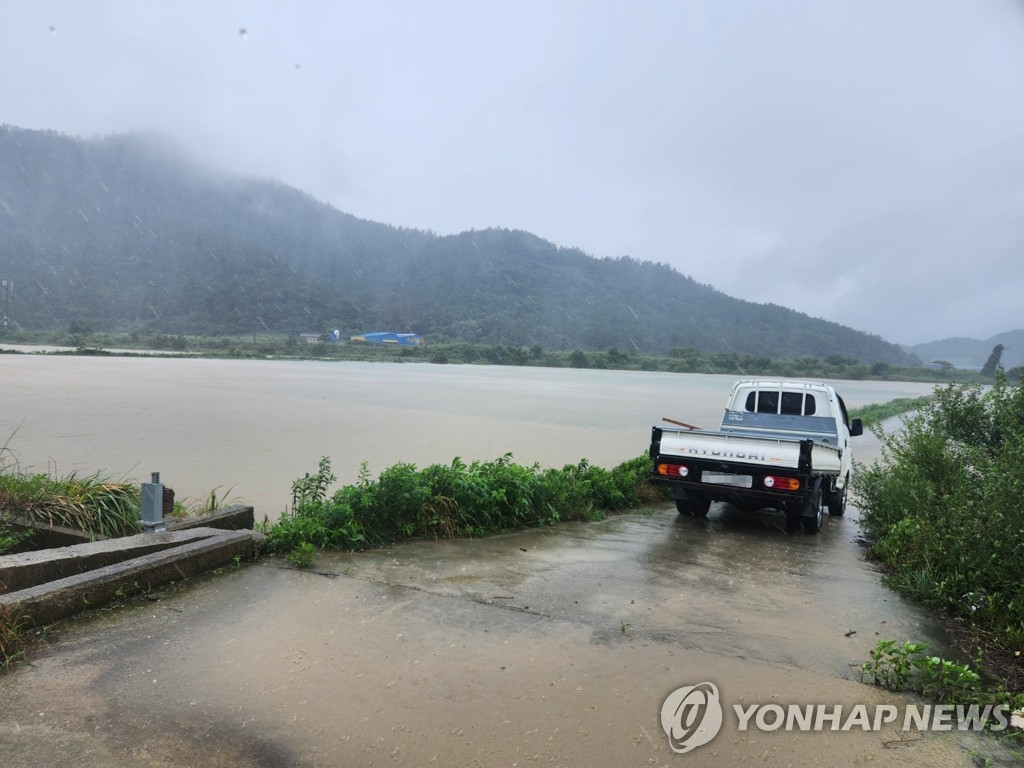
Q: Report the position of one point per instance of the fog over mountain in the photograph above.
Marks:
(860, 161)
(129, 232)
(973, 353)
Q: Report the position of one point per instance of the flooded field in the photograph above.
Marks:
(548, 647)
(249, 428)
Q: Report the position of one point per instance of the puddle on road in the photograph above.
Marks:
(668, 573)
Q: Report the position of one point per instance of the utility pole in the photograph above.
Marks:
(6, 286)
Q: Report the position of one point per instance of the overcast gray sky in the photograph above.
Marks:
(858, 160)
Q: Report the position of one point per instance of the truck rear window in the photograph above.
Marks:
(792, 403)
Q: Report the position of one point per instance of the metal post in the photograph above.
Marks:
(153, 506)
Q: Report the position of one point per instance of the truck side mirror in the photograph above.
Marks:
(856, 428)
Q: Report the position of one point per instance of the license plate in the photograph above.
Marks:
(721, 478)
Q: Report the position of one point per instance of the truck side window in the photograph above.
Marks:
(842, 409)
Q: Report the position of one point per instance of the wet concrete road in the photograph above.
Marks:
(549, 647)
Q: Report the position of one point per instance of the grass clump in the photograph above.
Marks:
(452, 500)
(943, 512)
(91, 504)
(12, 636)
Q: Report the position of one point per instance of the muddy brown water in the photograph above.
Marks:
(548, 647)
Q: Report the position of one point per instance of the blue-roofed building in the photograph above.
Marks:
(390, 337)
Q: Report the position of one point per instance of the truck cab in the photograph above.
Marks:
(799, 409)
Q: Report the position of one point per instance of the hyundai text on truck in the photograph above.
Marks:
(782, 445)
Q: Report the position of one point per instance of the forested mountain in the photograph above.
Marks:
(128, 232)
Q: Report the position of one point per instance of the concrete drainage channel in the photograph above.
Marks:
(52, 584)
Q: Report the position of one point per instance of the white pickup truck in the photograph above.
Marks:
(782, 444)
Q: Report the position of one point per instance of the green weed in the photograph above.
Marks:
(302, 555)
(11, 538)
(909, 667)
(213, 502)
(126, 592)
(13, 627)
(312, 489)
(453, 500)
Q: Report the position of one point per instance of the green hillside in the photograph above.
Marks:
(128, 233)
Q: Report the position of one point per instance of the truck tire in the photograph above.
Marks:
(837, 499)
(693, 507)
(813, 512)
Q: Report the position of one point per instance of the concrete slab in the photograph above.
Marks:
(235, 517)
(28, 569)
(90, 575)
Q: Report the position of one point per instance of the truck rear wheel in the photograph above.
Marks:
(837, 499)
(694, 507)
(813, 513)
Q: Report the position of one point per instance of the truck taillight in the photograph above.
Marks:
(781, 483)
(668, 470)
